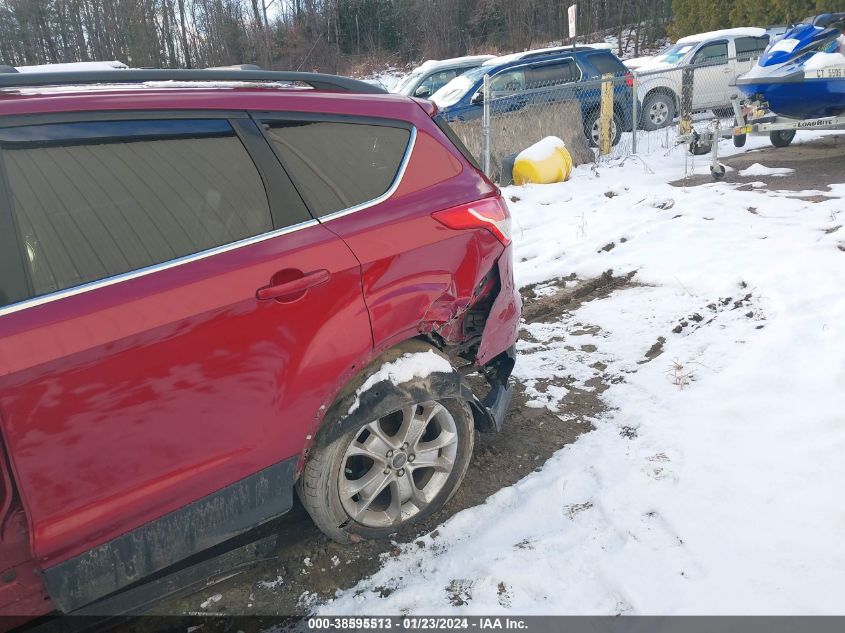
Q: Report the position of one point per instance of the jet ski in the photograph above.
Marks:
(802, 74)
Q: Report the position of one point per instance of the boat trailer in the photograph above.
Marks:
(756, 120)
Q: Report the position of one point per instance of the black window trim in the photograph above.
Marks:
(278, 185)
(84, 116)
(10, 241)
(260, 117)
(236, 119)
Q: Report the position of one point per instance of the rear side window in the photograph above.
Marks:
(552, 74)
(750, 47)
(606, 64)
(97, 199)
(339, 165)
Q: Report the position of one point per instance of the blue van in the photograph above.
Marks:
(543, 76)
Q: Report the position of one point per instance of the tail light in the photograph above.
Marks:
(629, 80)
(490, 213)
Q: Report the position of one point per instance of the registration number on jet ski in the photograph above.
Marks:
(831, 72)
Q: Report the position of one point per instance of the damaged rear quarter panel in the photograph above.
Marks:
(419, 276)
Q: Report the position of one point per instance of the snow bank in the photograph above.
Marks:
(710, 486)
(408, 367)
(541, 150)
(387, 78)
(761, 170)
(72, 67)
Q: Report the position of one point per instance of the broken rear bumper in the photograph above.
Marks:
(495, 404)
(502, 326)
(497, 350)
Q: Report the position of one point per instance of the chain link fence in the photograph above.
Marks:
(678, 99)
(642, 112)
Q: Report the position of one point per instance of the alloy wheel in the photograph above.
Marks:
(396, 465)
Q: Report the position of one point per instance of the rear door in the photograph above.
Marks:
(546, 81)
(713, 72)
(182, 320)
(375, 182)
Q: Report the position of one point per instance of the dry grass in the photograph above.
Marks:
(512, 132)
(679, 375)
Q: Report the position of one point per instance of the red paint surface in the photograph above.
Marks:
(127, 402)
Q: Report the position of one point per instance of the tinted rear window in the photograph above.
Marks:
(605, 63)
(97, 199)
(338, 165)
(750, 47)
(552, 74)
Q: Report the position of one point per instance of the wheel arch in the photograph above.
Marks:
(665, 90)
(385, 397)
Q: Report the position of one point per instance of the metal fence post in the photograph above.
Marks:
(485, 126)
(635, 114)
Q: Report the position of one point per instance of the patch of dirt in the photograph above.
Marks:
(654, 351)
(550, 307)
(816, 164)
(310, 567)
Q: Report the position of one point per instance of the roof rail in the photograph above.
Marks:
(317, 81)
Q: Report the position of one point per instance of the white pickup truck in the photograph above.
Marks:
(718, 58)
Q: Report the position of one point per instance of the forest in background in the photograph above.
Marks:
(344, 36)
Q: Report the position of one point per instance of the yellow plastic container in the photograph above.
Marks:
(545, 162)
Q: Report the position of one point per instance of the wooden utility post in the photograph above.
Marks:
(606, 115)
(685, 115)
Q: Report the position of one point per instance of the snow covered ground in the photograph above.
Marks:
(387, 78)
(714, 483)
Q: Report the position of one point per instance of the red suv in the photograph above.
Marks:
(212, 294)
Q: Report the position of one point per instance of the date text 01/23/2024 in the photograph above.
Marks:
(421, 623)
